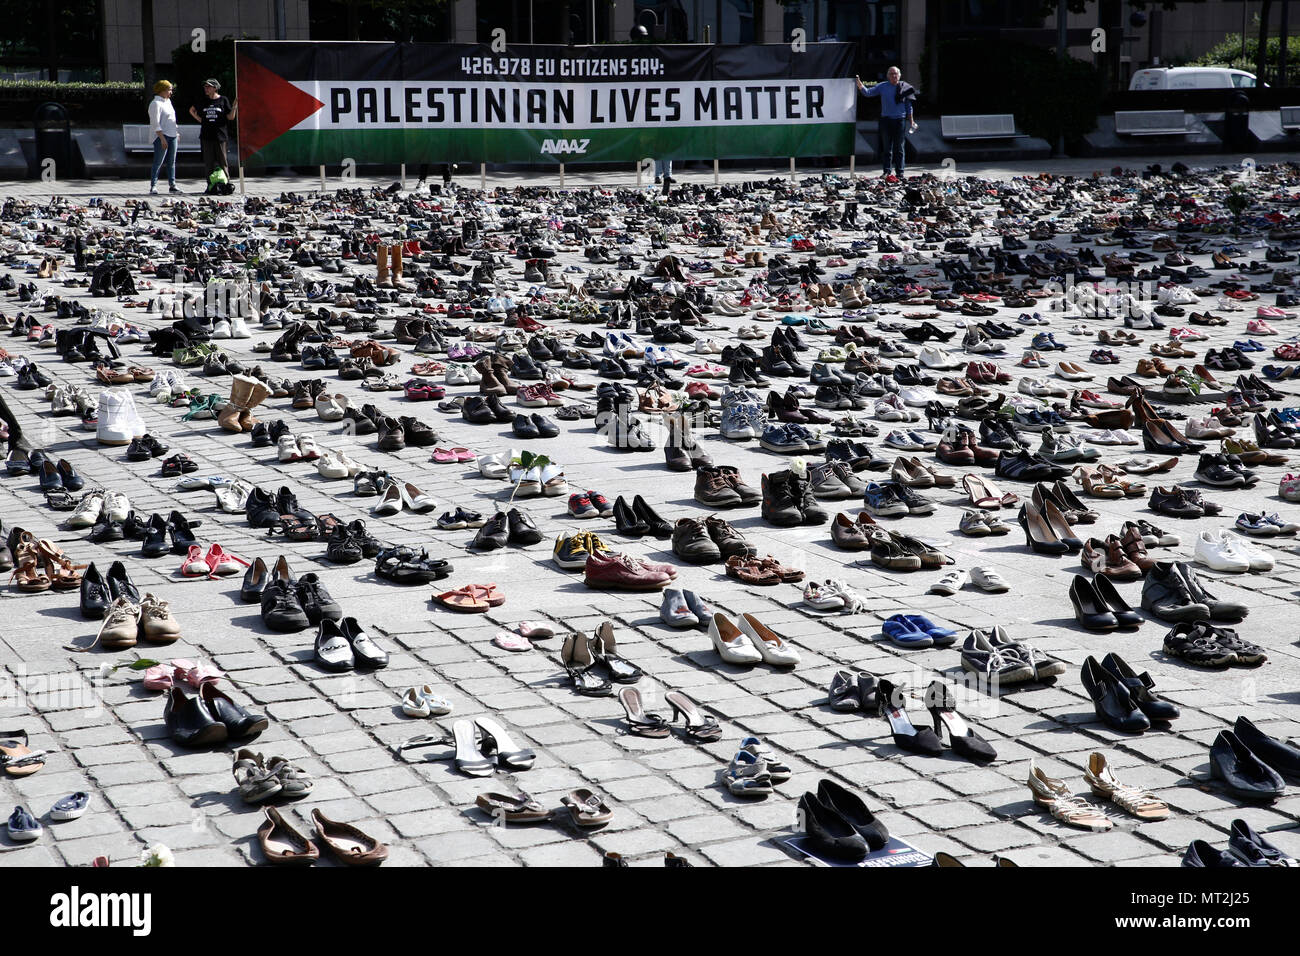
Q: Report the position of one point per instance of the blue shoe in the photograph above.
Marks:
(904, 633)
(70, 807)
(23, 827)
(881, 501)
(941, 636)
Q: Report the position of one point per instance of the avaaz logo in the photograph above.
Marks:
(556, 146)
(75, 909)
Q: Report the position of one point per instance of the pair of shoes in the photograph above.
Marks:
(1000, 660)
(849, 692)
(942, 705)
(260, 780)
(1245, 848)
(126, 621)
(1122, 698)
(208, 717)
(584, 656)
(915, 630)
(288, 604)
(1251, 763)
(513, 527)
(682, 608)
(1174, 592)
(424, 701)
(706, 540)
(343, 644)
(282, 844)
(1055, 795)
(748, 641)
(838, 823)
(1207, 645)
(755, 770)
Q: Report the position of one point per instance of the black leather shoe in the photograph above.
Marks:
(120, 584)
(189, 721)
(1125, 616)
(281, 610)
(260, 509)
(1228, 612)
(494, 533)
(95, 597)
(657, 526)
(524, 428)
(545, 427)
(1282, 757)
(239, 723)
(316, 601)
(1201, 854)
(155, 538)
(625, 520)
(1242, 772)
(522, 530)
(365, 652)
(1139, 688)
(1111, 699)
(851, 808)
(1166, 595)
(1089, 609)
(828, 832)
(476, 411)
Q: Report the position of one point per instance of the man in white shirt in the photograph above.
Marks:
(162, 124)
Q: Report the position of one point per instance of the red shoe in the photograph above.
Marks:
(221, 561)
(620, 572)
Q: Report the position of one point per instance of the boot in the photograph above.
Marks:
(246, 393)
(800, 487)
(780, 506)
(381, 261)
(395, 261)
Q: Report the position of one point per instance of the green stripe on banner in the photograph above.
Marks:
(332, 148)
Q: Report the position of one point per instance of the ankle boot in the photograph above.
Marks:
(780, 505)
(381, 263)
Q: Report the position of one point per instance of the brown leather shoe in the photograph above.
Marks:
(621, 572)
(1135, 549)
(1108, 558)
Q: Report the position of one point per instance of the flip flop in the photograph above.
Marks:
(17, 759)
(489, 593)
(466, 599)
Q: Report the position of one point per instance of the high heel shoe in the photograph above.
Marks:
(576, 657)
(942, 705)
(1089, 609)
(1111, 699)
(1061, 527)
(604, 650)
(640, 722)
(1039, 535)
(656, 525)
(1140, 688)
(1125, 616)
(626, 521)
(698, 727)
(906, 736)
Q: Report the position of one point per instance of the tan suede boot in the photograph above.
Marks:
(258, 393)
(395, 258)
(381, 261)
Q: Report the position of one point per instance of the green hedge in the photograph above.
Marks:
(86, 103)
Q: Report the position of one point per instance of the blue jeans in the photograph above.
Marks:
(164, 156)
(663, 167)
(891, 145)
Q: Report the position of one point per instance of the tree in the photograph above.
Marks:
(1261, 51)
(146, 45)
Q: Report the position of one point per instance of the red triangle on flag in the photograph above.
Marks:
(269, 106)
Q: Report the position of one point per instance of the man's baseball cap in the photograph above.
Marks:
(213, 83)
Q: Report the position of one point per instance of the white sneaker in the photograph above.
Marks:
(116, 506)
(119, 421)
(1258, 560)
(952, 581)
(239, 328)
(1218, 554)
(88, 511)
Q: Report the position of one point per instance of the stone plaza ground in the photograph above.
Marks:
(107, 736)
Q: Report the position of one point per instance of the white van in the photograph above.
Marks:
(1192, 78)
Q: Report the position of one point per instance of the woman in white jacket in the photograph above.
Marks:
(162, 124)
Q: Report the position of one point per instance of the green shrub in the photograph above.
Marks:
(1228, 53)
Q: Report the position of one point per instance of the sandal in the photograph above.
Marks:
(787, 575)
(63, 574)
(750, 571)
(576, 657)
(1074, 811)
(403, 566)
(1141, 803)
(586, 808)
(469, 758)
(697, 727)
(639, 722)
(465, 599)
(1090, 478)
(293, 528)
(512, 808)
(604, 650)
(496, 741)
(17, 759)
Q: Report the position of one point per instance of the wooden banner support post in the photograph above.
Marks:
(322, 179)
(715, 172)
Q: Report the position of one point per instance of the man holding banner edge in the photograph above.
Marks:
(895, 109)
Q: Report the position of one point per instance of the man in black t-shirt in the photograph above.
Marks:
(214, 116)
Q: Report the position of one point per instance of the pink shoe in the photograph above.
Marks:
(158, 677)
(463, 454)
(195, 564)
(511, 642)
(534, 629)
(197, 675)
(221, 561)
(444, 456)
(1260, 327)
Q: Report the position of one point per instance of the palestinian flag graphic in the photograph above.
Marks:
(324, 103)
